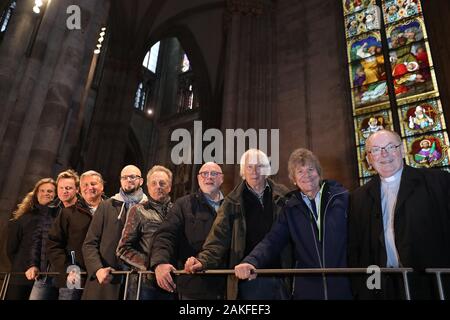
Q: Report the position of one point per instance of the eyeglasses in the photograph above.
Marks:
(212, 174)
(130, 177)
(389, 149)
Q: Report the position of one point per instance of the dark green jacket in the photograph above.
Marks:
(225, 244)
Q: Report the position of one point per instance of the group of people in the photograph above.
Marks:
(400, 218)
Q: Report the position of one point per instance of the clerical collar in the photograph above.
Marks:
(394, 177)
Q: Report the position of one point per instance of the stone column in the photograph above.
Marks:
(249, 85)
(42, 92)
(15, 67)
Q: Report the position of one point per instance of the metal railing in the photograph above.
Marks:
(438, 272)
(403, 271)
(5, 281)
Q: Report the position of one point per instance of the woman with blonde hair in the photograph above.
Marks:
(20, 231)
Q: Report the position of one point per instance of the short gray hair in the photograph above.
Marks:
(256, 156)
(162, 169)
(90, 173)
(302, 157)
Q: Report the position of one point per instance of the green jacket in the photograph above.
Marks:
(225, 244)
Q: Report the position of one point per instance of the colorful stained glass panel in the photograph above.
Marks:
(421, 117)
(370, 94)
(410, 31)
(352, 6)
(364, 46)
(370, 123)
(364, 169)
(367, 71)
(395, 10)
(431, 150)
(363, 21)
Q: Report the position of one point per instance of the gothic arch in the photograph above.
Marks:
(187, 40)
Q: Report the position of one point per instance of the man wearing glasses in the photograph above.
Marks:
(400, 218)
(99, 247)
(182, 235)
(242, 221)
(143, 221)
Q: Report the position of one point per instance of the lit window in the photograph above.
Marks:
(151, 58)
(139, 100)
(186, 65)
(6, 16)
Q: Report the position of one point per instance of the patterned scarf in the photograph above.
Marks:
(131, 199)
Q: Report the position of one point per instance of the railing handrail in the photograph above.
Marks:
(440, 270)
(258, 271)
(297, 271)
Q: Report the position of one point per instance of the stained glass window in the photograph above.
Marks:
(140, 97)
(187, 98)
(392, 80)
(187, 92)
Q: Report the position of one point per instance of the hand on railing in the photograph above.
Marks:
(192, 265)
(32, 273)
(245, 271)
(164, 278)
(104, 275)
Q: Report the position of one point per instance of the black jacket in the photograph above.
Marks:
(227, 237)
(181, 236)
(99, 248)
(421, 224)
(19, 243)
(67, 234)
(39, 257)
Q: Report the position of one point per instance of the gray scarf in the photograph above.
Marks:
(131, 199)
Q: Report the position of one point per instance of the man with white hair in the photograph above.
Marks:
(400, 218)
(242, 221)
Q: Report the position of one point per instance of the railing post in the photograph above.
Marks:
(125, 290)
(139, 286)
(405, 280)
(439, 283)
(5, 285)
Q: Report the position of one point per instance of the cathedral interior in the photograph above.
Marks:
(100, 84)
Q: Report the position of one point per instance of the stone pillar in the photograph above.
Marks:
(107, 139)
(249, 85)
(14, 68)
(42, 87)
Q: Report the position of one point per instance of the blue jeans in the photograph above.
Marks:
(44, 289)
(263, 288)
